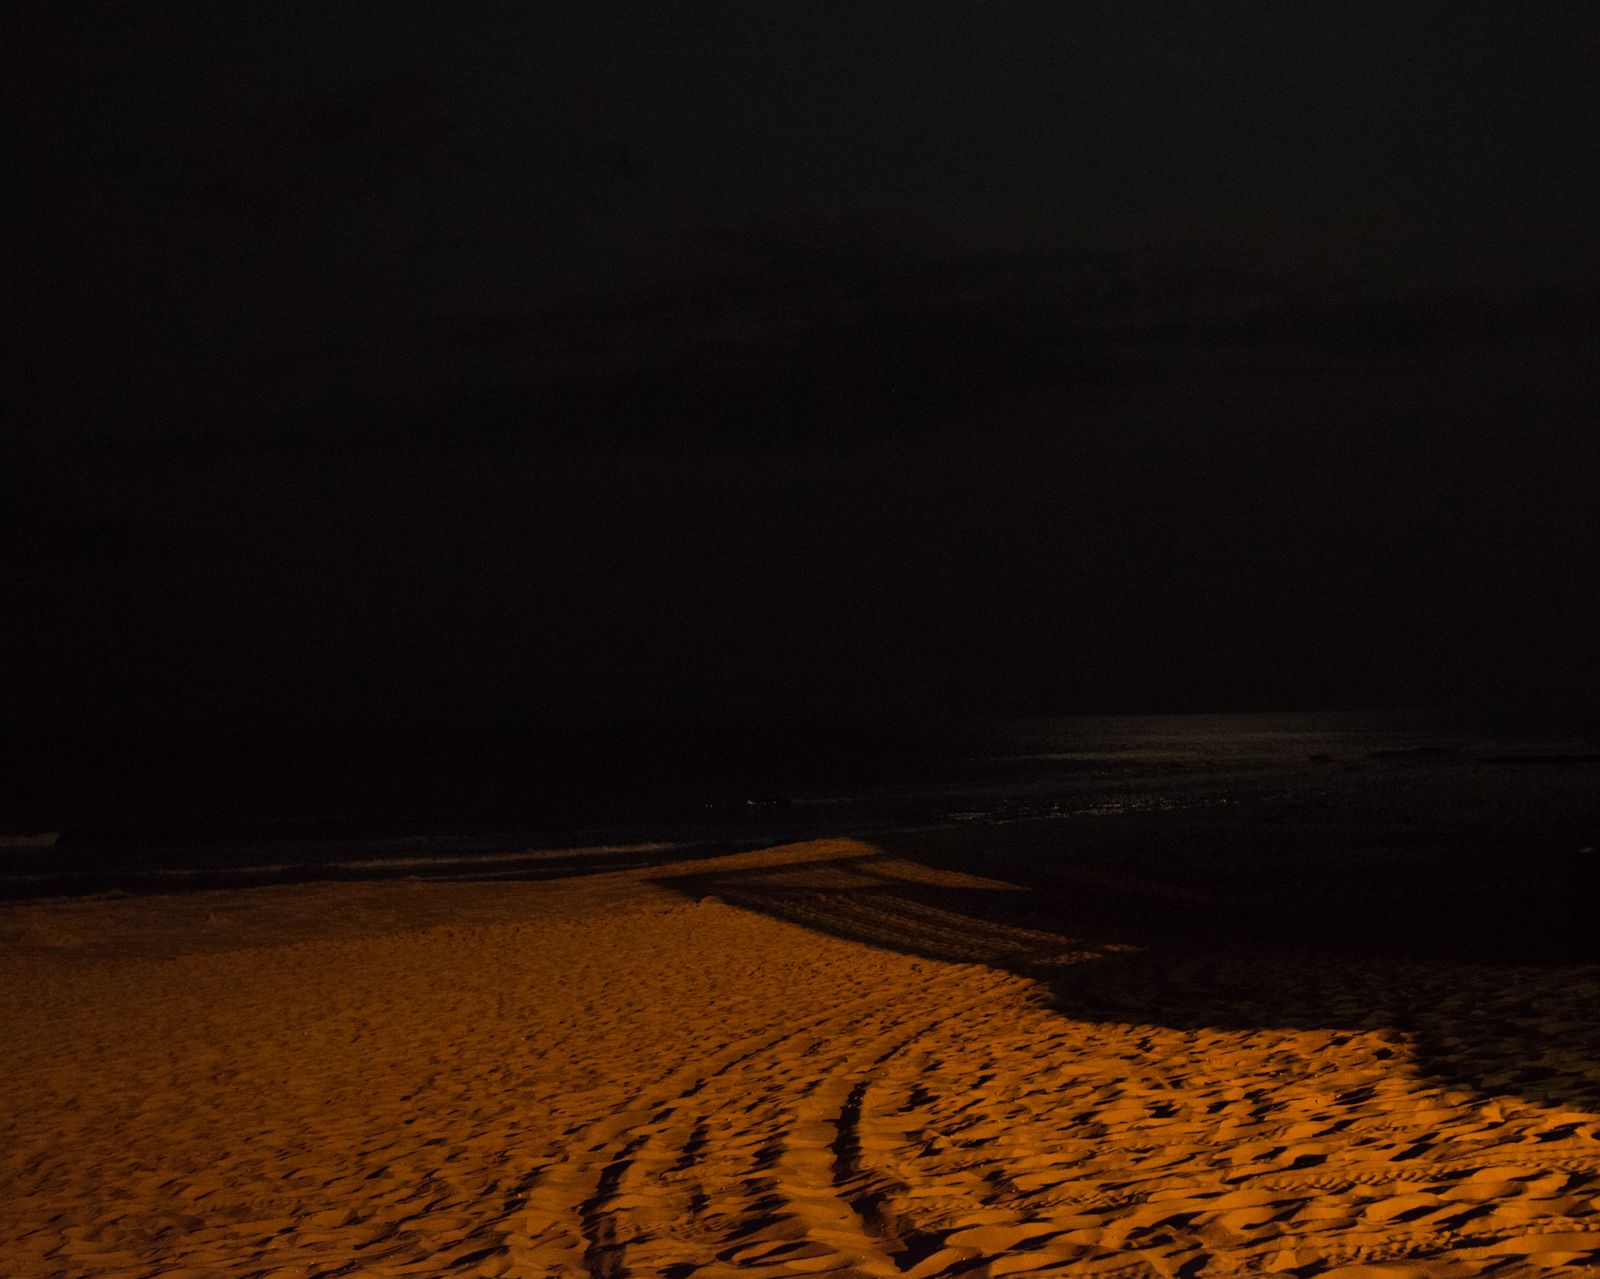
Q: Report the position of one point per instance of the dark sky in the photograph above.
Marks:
(403, 364)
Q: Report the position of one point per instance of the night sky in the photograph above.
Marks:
(462, 364)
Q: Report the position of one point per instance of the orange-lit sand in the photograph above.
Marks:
(819, 1069)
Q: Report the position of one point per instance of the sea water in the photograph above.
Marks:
(175, 813)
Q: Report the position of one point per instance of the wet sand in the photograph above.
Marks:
(830, 1058)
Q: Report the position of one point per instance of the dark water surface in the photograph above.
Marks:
(1202, 792)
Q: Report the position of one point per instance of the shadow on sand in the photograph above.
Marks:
(1483, 973)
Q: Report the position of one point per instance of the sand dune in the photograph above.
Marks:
(813, 1060)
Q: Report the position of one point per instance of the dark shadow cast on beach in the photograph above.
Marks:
(1485, 972)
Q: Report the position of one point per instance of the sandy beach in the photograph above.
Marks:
(827, 1058)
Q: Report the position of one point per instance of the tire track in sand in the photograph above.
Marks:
(760, 1170)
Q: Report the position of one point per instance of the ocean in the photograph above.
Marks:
(82, 815)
